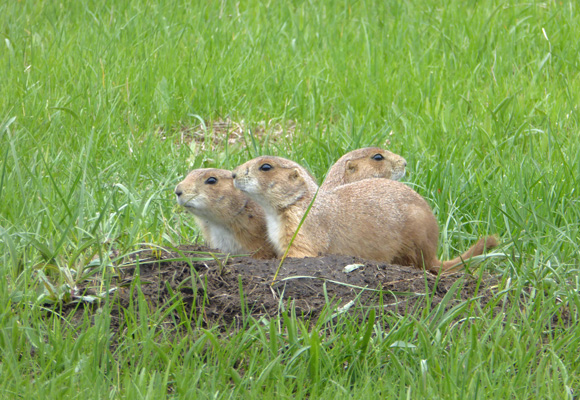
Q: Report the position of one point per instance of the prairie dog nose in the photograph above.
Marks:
(234, 175)
(178, 191)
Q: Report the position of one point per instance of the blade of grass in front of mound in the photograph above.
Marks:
(294, 237)
(395, 293)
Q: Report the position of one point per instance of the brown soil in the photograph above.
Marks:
(306, 285)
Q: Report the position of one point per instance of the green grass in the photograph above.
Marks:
(481, 98)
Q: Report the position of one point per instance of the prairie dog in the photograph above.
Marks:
(230, 221)
(377, 219)
(365, 163)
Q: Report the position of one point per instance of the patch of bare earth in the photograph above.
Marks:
(213, 135)
(210, 290)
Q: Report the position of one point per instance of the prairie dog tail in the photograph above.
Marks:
(483, 244)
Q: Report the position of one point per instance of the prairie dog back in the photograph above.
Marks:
(381, 219)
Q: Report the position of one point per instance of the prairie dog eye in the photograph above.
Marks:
(378, 157)
(211, 181)
(265, 167)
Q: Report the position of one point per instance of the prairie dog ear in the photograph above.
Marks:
(294, 174)
(350, 166)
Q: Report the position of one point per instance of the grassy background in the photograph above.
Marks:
(481, 98)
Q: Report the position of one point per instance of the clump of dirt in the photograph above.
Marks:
(222, 291)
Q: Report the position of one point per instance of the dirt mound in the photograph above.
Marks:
(222, 291)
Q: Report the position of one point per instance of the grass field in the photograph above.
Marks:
(104, 107)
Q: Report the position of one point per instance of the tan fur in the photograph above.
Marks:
(229, 220)
(363, 164)
(377, 219)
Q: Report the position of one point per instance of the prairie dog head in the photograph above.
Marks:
(372, 162)
(274, 182)
(209, 193)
